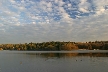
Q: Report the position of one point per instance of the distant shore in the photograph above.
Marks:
(56, 46)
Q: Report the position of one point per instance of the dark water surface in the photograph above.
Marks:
(54, 61)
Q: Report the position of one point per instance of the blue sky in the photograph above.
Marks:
(23, 21)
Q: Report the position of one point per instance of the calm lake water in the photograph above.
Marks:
(54, 61)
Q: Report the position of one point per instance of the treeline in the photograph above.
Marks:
(56, 46)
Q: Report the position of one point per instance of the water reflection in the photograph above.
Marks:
(59, 55)
(53, 62)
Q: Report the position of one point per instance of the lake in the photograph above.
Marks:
(54, 61)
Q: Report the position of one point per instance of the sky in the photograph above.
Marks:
(24, 21)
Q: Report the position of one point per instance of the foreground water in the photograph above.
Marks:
(54, 61)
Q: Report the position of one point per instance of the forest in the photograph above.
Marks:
(56, 46)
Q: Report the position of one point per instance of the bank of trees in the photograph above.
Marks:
(56, 46)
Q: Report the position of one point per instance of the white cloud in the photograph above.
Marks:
(83, 10)
(84, 6)
(69, 5)
(18, 24)
(56, 1)
(49, 4)
(100, 6)
(49, 9)
(34, 22)
(39, 21)
(61, 3)
(12, 1)
(100, 11)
